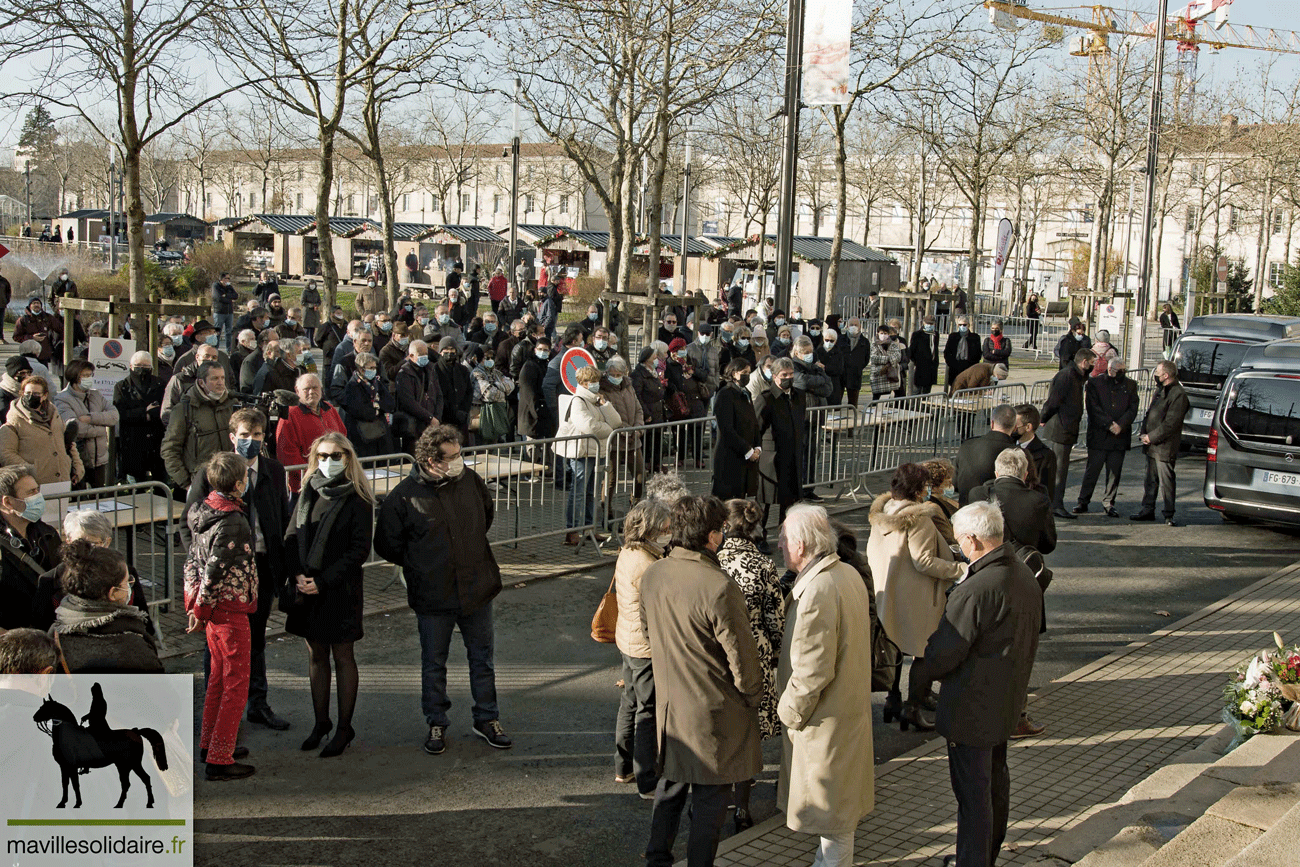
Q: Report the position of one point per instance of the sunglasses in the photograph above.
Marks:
(331, 456)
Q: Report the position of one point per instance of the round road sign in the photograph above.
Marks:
(112, 349)
(1221, 268)
(574, 360)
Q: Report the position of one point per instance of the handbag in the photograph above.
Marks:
(885, 658)
(606, 617)
(371, 430)
(678, 407)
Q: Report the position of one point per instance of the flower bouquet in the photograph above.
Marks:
(1252, 700)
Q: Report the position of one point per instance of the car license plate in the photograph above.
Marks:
(1275, 479)
(1205, 415)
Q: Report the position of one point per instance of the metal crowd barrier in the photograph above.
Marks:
(832, 449)
(144, 517)
(1016, 329)
(685, 447)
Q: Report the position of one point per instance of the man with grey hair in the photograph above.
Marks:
(27, 651)
(983, 652)
(1112, 402)
(827, 781)
(245, 345)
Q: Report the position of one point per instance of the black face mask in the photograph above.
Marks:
(33, 401)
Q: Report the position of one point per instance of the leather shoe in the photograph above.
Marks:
(1080, 509)
(1111, 513)
(1027, 728)
(1143, 516)
(1170, 522)
(1061, 513)
(264, 716)
(239, 753)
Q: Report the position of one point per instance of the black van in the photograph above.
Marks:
(1252, 464)
(1209, 349)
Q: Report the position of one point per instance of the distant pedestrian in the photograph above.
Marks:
(1112, 403)
(1062, 414)
(1169, 328)
(1162, 431)
(1033, 315)
(925, 355)
(996, 349)
(1072, 341)
(783, 413)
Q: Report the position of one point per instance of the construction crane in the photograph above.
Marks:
(1188, 27)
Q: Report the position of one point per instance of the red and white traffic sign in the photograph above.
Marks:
(574, 360)
(1221, 268)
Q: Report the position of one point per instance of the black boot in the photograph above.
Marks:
(893, 707)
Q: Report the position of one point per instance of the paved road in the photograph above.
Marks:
(551, 800)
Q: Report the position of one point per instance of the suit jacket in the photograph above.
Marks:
(923, 349)
(983, 650)
(1044, 462)
(975, 461)
(1063, 409)
(270, 499)
(1110, 401)
(1163, 423)
(708, 679)
(1026, 512)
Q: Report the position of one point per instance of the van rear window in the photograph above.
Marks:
(1204, 363)
(1265, 410)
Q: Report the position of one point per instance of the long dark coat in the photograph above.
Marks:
(141, 428)
(783, 414)
(1110, 400)
(535, 419)
(332, 616)
(738, 433)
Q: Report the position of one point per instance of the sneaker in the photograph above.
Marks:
(492, 732)
(222, 773)
(647, 796)
(437, 742)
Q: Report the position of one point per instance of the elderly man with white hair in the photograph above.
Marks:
(827, 779)
(300, 425)
(138, 398)
(983, 652)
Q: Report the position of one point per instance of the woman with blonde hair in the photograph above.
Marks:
(326, 546)
(646, 531)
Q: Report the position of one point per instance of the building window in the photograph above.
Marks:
(464, 201)
(406, 201)
(564, 204)
(209, 202)
(252, 200)
(1087, 213)
(1194, 173)
(528, 204)
(406, 173)
(435, 203)
(352, 202)
(1234, 217)
(298, 201)
(1189, 223)
(1275, 274)
(1275, 224)
(496, 204)
(373, 201)
(300, 173)
(498, 173)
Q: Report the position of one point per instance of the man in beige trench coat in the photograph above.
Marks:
(827, 767)
(708, 683)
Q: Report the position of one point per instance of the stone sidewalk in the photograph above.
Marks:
(1110, 724)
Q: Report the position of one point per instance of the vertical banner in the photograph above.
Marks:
(1001, 250)
(827, 30)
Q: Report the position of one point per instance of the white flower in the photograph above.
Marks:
(1247, 708)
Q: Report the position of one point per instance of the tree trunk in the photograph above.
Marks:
(328, 269)
(1262, 242)
(977, 219)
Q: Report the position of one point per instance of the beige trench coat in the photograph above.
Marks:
(913, 569)
(827, 766)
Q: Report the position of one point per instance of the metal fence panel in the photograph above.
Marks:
(831, 457)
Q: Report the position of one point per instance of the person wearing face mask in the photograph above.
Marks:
(330, 334)
(783, 413)
(291, 328)
(224, 296)
(394, 352)
(311, 304)
(95, 416)
(997, 349)
(301, 425)
(1062, 414)
(590, 419)
(199, 425)
(687, 397)
(266, 506)
(345, 366)
(738, 346)
(434, 525)
(628, 458)
(17, 369)
(961, 351)
(534, 419)
(831, 357)
(599, 346)
(498, 287)
(382, 332)
(245, 345)
(165, 361)
(490, 410)
(738, 448)
(30, 546)
(1162, 430)
(138, 400)
(40, 326)
(33, 433)
(442, 325)
(488, 334)
(369, 405)
(326, 547)
(651, 390)
(783, 343)
(1112, 403)
(405, 310)
(885, 363)
(705, 355)
(1072, 341)
(855, 351)
(221, 593)
(419, 399)
(1033, 315)
(775, 323)
(456, 385)
(1042, 463)
(63, 287)
(99, 630)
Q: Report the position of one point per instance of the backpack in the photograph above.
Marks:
(1103, 358)
(1029, 555)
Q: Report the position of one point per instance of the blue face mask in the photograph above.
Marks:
(248, 448)
(726, 337)
(542, 354)
(370, 372)
(962, 328)
(615, 380)
(385, 327)
(593, 316)
(35, 508)
(291, 322)
(422, 360)
(780, 320)
(489, 327)
(210, 340)
(744, 343)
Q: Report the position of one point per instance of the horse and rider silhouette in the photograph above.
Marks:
(95, 745)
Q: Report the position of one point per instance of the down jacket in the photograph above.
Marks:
(39, 442)
(633, 560)
(92, 439)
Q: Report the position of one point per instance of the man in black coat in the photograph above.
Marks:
(535, 420)
(1062, 415)
(1041, 459)
(857, 352)
(1071, 342)
(783, 414)
(983, 652)
(830, 355)
(923, 350)
(266, 505)
(456, 385)
(1162, 431)
(434, 525)
(961, 351)
(1112, 401)
(138, 398)
(976, 457)
(419, 398)
(224, 296)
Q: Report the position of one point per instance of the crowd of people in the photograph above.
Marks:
(720, 647)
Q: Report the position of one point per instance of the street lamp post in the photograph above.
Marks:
(1139, 331)
(514, 195)
(686, 203)
(27, 172)
(790, 151)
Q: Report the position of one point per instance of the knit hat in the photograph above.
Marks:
(446, 343)
(677, 344)
(1000, 371)
(646, 354)
(17, 364)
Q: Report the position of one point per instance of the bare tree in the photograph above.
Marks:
(745, 151)
(137, 53)
(198, 139)
(453, 135)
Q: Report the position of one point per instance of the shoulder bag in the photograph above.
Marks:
(606, 617)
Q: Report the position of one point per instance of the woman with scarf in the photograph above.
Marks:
(33, 434)
(97, 627)
(492, 390)
(997, 349)
(369, 406)
(326, 547)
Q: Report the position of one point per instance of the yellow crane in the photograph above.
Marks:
(1188, 27)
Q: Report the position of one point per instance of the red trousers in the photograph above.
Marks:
(230, 641)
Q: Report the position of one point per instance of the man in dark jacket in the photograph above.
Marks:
(1062, 414)
(831, 356)
(266, 505)
(783, 414)
(1042, 461)
(224, 296)
(419, 399)
(923, 349)
(456, 385)
(138, 399)
(535, 420)
(961, 351)
(1112, 401)
(6, 295)
(983, 652)
(857, 352)
(1162, 431)
(1071, 342)
(553, 383)
(977, 456)
(434, 525)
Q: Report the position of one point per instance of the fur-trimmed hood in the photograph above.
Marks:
(904, 519)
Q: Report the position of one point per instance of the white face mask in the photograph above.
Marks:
(455, 467)
(331, 467)
(662, 541)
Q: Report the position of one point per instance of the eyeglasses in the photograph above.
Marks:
(447, 459)
(331, 456)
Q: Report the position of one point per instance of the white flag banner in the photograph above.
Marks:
(1003, 248)
(827, 30)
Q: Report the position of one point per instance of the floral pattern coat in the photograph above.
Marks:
(760, 581)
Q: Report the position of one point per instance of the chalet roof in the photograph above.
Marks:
(809, 248)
